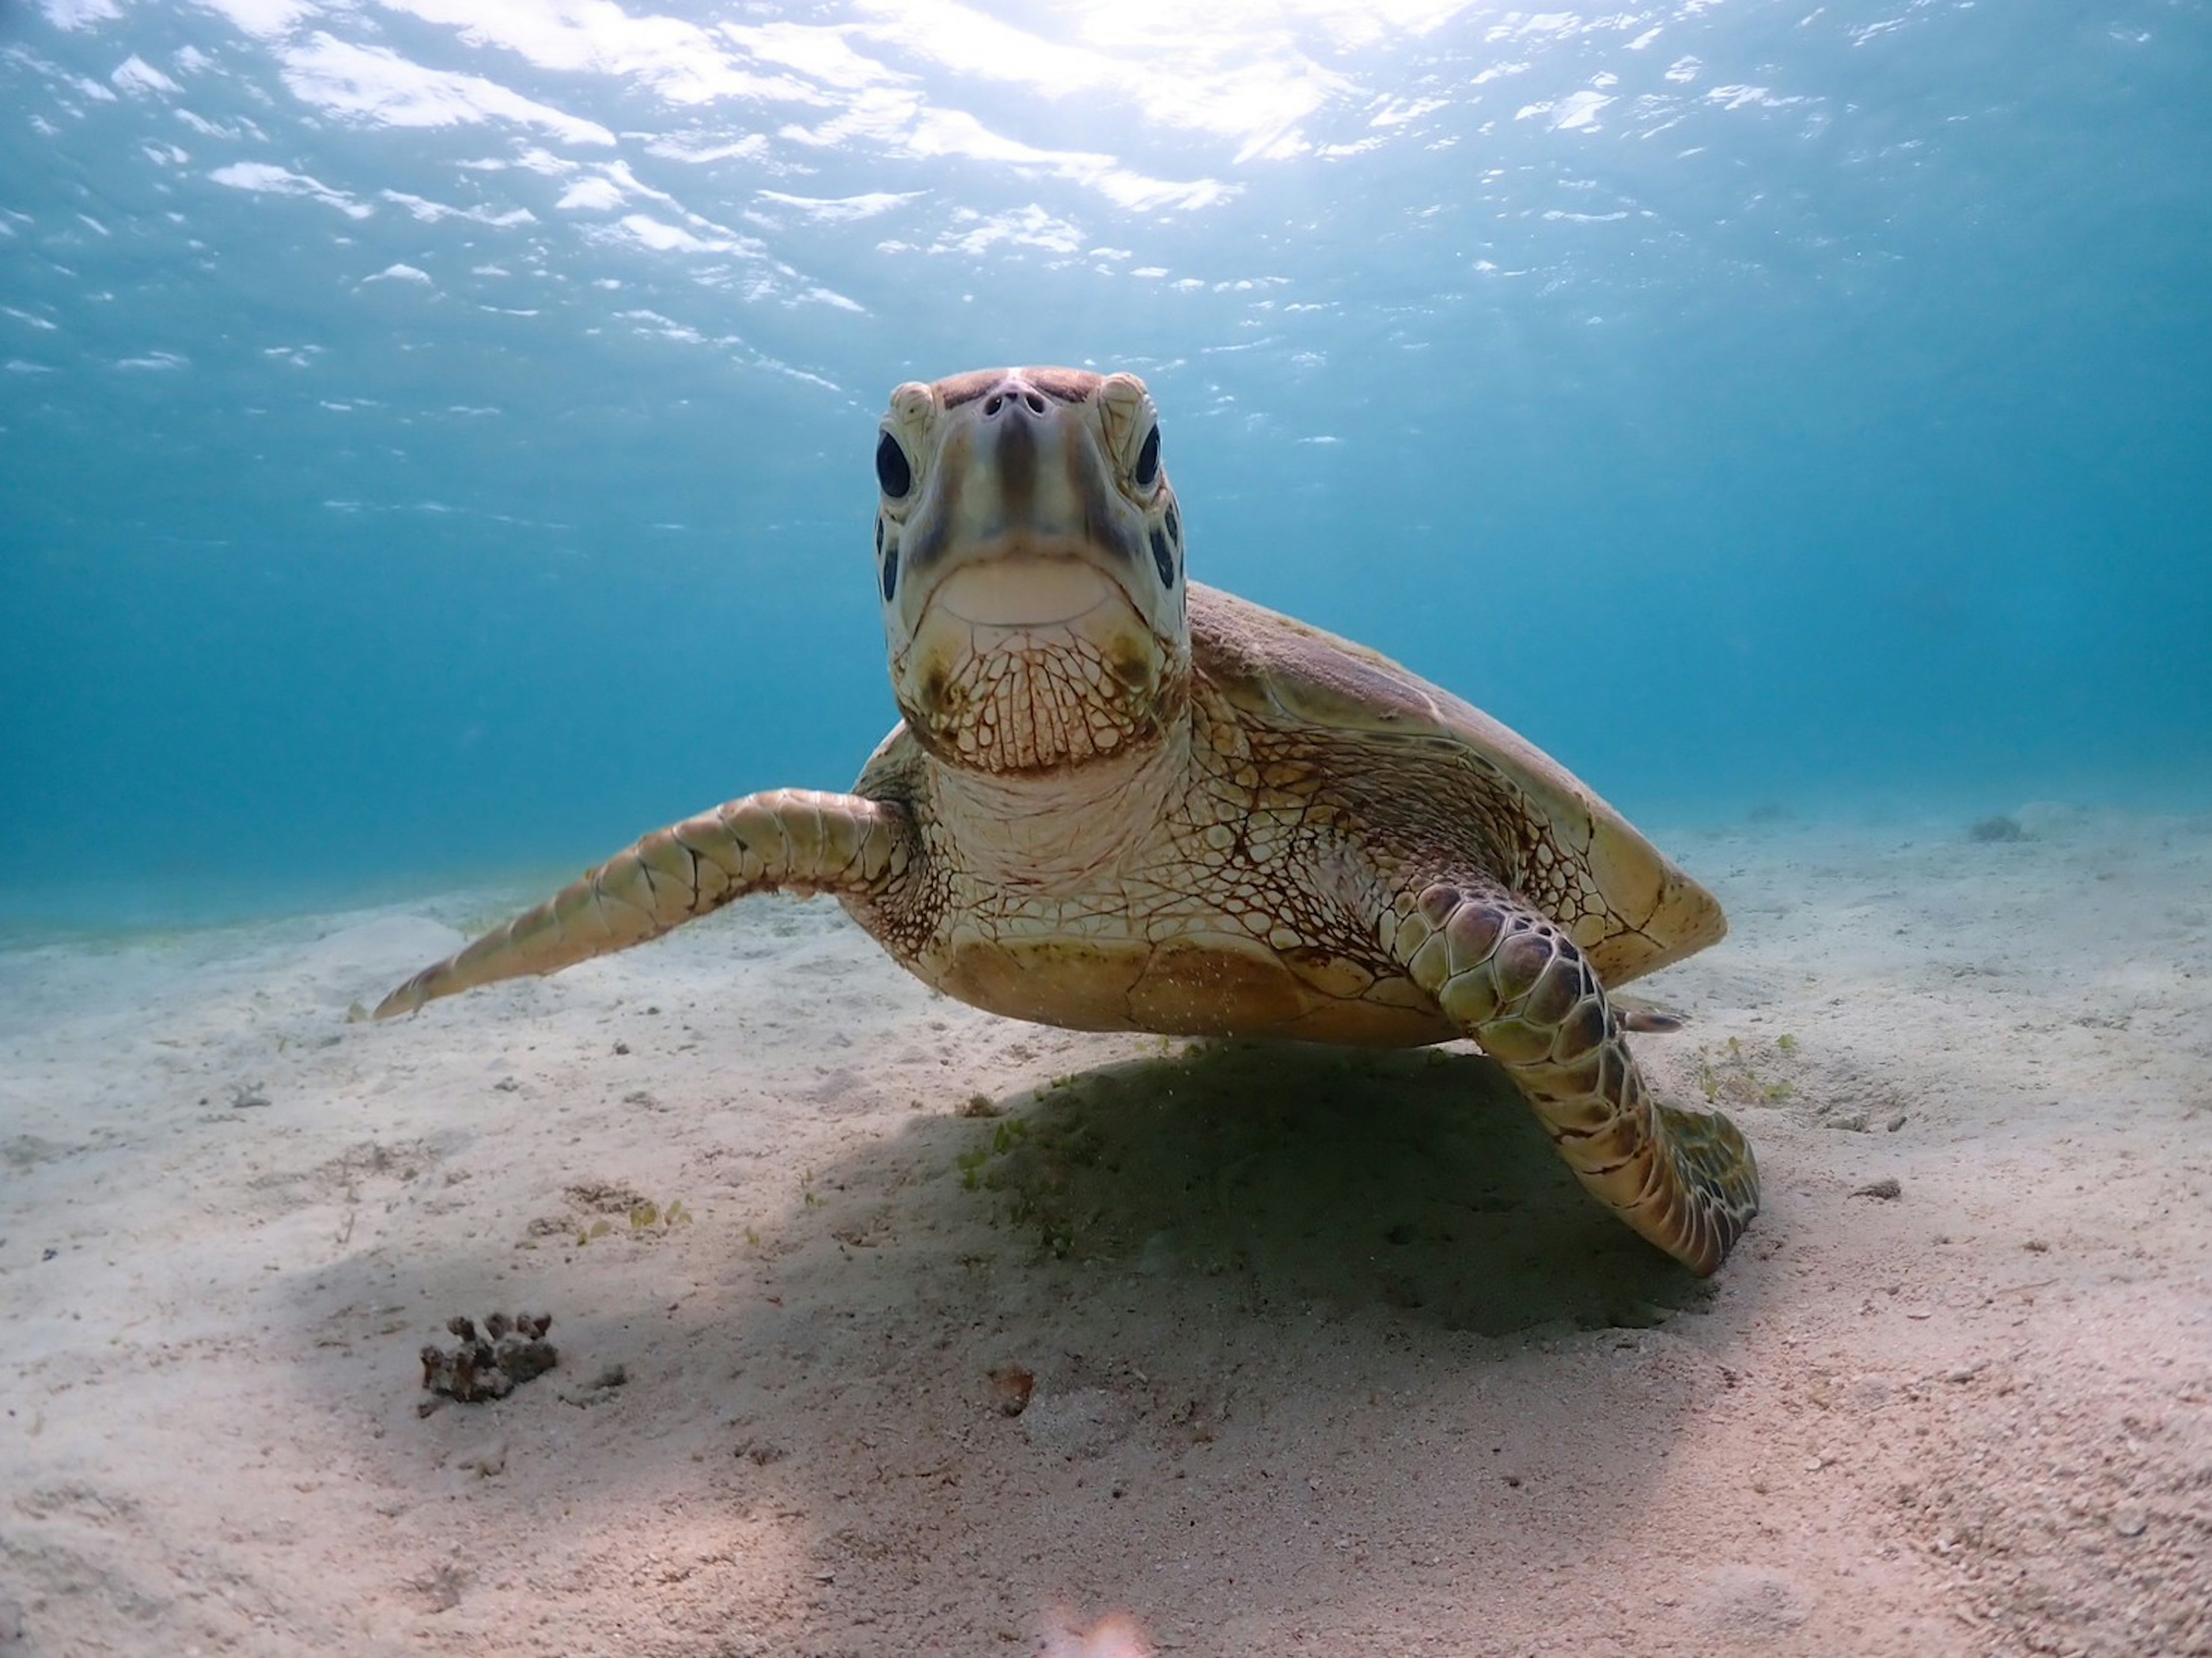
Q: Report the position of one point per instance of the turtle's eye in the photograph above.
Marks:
(1147, 469)
(892, 471)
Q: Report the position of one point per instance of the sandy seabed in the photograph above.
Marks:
(886, 1326)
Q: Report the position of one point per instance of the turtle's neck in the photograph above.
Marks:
(1067, 830)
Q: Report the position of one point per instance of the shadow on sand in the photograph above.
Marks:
(1324, 1179)
(1246, 1340)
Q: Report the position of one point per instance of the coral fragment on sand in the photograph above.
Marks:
(1011, 1386)
(492, 1362)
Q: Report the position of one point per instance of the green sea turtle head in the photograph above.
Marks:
(1029, 558)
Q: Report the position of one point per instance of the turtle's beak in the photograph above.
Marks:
(1018, 476)
(1028, 622)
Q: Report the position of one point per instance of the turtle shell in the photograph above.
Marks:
(1403, 752)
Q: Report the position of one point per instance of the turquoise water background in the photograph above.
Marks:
(436, 435)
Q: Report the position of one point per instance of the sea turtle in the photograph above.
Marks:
(1121, 801)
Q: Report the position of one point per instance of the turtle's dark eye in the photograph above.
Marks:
(1148, 460)
(891, 469)
(1163, 559)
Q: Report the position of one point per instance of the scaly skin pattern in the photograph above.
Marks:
(1515, 981)
(794, 841)
(1118, 802)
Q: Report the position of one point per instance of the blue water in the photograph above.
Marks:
(436, 435)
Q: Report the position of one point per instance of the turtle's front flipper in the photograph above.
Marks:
(790, 840)
(1511, 979)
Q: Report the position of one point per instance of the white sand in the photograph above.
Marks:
(1329, 1356)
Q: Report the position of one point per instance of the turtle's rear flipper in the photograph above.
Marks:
(1642, 1014)
(790, 840)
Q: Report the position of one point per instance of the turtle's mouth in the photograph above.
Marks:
(1030, 663)
(1019, 594)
